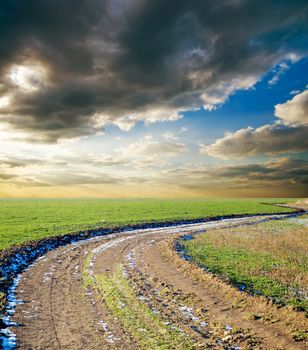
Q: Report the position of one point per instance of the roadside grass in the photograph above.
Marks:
(304, 216)
(267, 259)
(22, 220)
(147, 328)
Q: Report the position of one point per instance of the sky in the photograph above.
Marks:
(152, 98)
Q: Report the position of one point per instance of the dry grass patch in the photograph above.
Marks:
(259, 309)
(268, 259)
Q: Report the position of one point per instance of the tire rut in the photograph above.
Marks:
(60, 312)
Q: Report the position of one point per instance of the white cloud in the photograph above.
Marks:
(127, 122)
(294, 111)
(268, 139)
(183, 129)
(288, 135)
(148, 148)
(219, 94)
(169, 136)
(294, 92)
(278, 72)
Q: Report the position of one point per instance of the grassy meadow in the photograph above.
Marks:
(268, 259)
(22, 220)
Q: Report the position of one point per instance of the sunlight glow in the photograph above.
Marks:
(4, 101)
(30, 77)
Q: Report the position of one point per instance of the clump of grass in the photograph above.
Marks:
(148, 329)
(268, 259)
(300, 335)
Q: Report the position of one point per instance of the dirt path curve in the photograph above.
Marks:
(69, 299)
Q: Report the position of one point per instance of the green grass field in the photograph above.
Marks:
(22, 220)
(269, 258)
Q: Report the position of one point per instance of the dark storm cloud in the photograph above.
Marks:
(276, 173)
(56, 31)
(5, 176)
(284, 170)
(13, 161)
(121, 61)
(78, 179)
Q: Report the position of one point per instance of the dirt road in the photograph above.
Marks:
(131, 290)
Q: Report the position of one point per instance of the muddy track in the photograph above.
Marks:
(63, 303)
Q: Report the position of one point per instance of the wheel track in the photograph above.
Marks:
(53, 302)
(173, 314)
(52, 313)
(29, 335)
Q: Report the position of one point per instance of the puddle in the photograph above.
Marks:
(8, 338)
(188, 313)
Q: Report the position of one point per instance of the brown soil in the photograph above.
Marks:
(60, 312)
